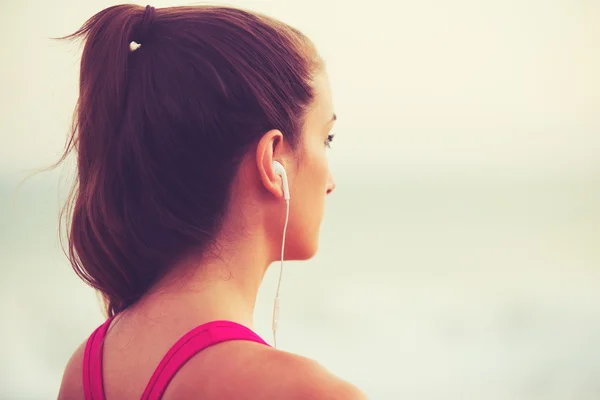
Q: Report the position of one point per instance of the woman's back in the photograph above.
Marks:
(241, 366)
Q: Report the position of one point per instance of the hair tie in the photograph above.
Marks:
(143, 29)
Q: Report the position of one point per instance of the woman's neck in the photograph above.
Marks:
(222, 287)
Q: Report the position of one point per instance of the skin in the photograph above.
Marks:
(223, 285)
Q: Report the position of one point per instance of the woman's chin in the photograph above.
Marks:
(301, 252)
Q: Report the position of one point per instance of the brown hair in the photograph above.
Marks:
(160, 131)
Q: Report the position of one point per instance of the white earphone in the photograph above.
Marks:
(279, 170)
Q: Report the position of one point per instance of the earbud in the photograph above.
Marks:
(279, 170)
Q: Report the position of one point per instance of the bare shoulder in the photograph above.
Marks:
(307, 379)
(71, 386)
(251, 371)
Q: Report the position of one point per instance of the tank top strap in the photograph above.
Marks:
(93, 386)
(189, 345)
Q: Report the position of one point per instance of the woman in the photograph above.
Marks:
(188, 121)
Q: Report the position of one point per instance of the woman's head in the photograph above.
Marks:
(163, 130)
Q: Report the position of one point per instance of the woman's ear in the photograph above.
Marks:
(269, 149)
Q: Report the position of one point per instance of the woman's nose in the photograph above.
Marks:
(330, 184)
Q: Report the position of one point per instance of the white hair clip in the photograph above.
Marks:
(133, 46)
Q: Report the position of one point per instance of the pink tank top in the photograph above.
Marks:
(189, 345)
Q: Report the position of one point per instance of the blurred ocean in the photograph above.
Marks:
(422, 289)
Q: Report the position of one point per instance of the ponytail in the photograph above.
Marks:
(103, 81)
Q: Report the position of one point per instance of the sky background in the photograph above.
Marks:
(460, 252)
